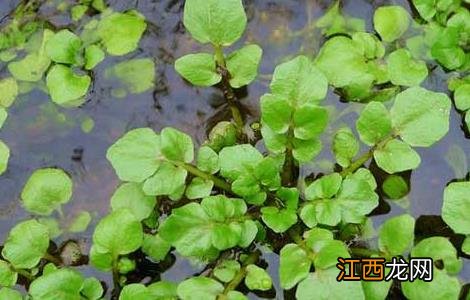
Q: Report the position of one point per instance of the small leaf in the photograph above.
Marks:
(396, 156)
(421, 117)
(45, 190)
(130, 195)
(64, 48)
(199, 188)
(304, 151)
(66, 87)
(396, 235)
(10, 294)
(8, 91)
(226, 270)
(176, 145)
(243, 65)
(404, 70)
(309, 121)
(93, 56)
(294, 265)
(439, 248)
(395, 187)
(168, 180)
(92, 289)
(462, 97)
(456, 207)
(121, 32)
(80, 222)
(8, 276)
(199, 288)
(345, 146)
(64, 282)
(391, 22)
(26, 244)
(4, 157)
(155, 247)
(214, 21)
(257, 278)
(442, 286)
(278, 220)
(199, 69)
(207, 160)
(135, 291)
(374, 123)
(276, 112)
(327, 253)
(238, 160)
(163, 290)
(324, 187)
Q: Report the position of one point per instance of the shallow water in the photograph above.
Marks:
(41, 134)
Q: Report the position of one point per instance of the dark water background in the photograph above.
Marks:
(41, 134)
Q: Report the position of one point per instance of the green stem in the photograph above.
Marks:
(364, 252)
(117, 285)
(52, 259)
(295, 236)
(229, 95)
(25, 274)
(289, 165)
(218, 182)
(232, 285)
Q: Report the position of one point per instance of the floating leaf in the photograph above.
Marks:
(121, 32)
(446, 50)
(374, 123)
(199, 69)
(442, 286)
(279, 220)
(396, 156)
(391, 22)
(199, 188)
(294, 265)
(404, 70)
(8, 91)
(64, 47)
(10, 294)
(8, 276)
(45, 190)
(136, 75)
(80, 222)
(168, 180)
(396, 235)
(243, 65)
(207, 160)
(257, 278)
(462, 97)
(64, 282)
(93, 56)
(92, 289)
(176, 145)
(456, 207)
(130, 195)
(439, 248)
(135, 291)
(163, 290)
(26, 244)
(421, 117)
(155, 247)
(345, 146)
(218, 22)
(227, 270)
(238, 160)
(66, 87)
(309, 121)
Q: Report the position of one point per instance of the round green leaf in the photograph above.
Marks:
(168, 180)
(456, 207)
(294, 265)
(257, 278)
(396, 156)
(130, 195)
(64, 48)
(62, 283)
(226, 270)
(425, 8)
(176, 145)
(327, 253)
(462, 97)
(135, 291)
(8, 276)
(45, 190)
(439, 248)
(92, 289)
(395, 187)
(30, 68)
(155, 247)
(345, 146)
(10, 294)
(276, 112)
(26, 244)
(279, 220)
(374, 123)
(243, 65)
(80, 222)
(391, 22)
(135, 155)
(121, 32)
(305, 150)
(396, 235)
(199, 188)
(309, 121)
(404, 70)
(207, 160)
(442, 287)
(119, 233)
(199, 288)
(218, 22)
(238, 160)
(163, 290)
(421, 117)
(65, 87)
(93, 56)
(8, 91)
(199, 69)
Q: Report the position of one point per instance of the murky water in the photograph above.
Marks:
(41, 134)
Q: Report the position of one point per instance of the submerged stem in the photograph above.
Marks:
(232, 285)
(218, 182)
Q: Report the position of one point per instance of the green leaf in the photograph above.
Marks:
(130, 195)
(118, 233)
(327, 253)
(396, 156)
(80, 222)
(374, 123)
(163, 290)
(199, 188)
(243, 65)
(214, 21)
(176, 145)
(64, 47)
(3, 116)
(8, 276)
(4, 157)
(135, 291)
(136, 75)
(62, 283)
(93, 56)
(199, 288)
(53, 226)
(222, 135)
(257, 278)
(168, 180)
(294, 265)
(425, 8)
(439, 248)
(199, 69)
(324, 187)
(226, 270)
(304, 151)
(207, 160)
(8, 91)
(279, 220)
(45, 190)
(26, 244)
(404, 70)
(236, 295)
(462, 97)
(135, 155)
(322, 285)
(155, 247)
(356, 199)
(65, 87)
(238, 160)
(391, 22)
(100, 258)
(78, 11)
(315, 237)
(456, 207)
(10, 294)
(364, 174)
(421, 117)
(370, 44)
(396, 235)
(92, 289)
(299, 81)
(309, 121)
(121, 32)
(395, 187)
(446, 49)
(345, 146)
(442, 287)
(308, 215)
(276, 112)
(376, 290)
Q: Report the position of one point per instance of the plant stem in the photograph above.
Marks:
(218, 182)
(288, 168)
(117, 285)
(357, 163)
(295, 236)
(229, 95)
(25, 274)
(52, 259)
(232, 285)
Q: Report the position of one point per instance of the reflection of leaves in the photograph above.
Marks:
(136, 75)
(457, 160)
